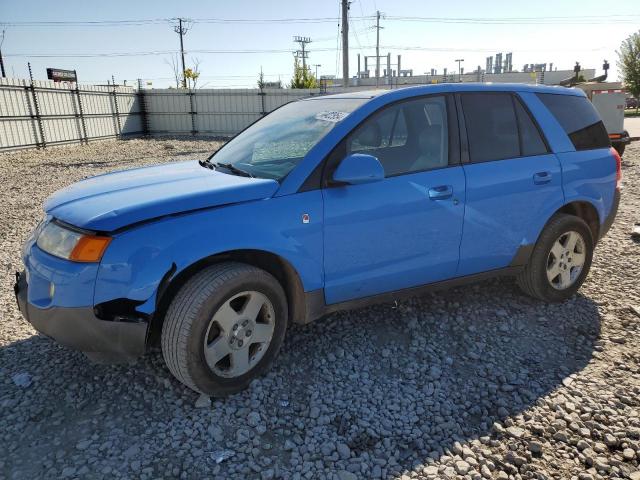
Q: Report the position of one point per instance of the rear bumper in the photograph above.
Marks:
(608, 221)
(79, 328)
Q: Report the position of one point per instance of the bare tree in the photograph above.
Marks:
(174, 63)
(195, 73)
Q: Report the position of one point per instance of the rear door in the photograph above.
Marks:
(588, 168)
(405, 230)
(513, 181)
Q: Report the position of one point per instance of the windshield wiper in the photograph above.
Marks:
(233, 168)
(229, 166)
(206, 163)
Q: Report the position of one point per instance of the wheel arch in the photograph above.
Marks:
(578, 208)
(587, 212)
(272, 263)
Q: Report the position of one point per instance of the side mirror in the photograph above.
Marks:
(359, 168)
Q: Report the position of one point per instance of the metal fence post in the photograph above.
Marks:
(144, 119)
(116, 113)
(42, 143)
(81, 114)
(193, 112)
(262, 95)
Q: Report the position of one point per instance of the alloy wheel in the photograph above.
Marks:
(566, 260)
(239, 334)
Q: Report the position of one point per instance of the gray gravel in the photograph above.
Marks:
(476, 382)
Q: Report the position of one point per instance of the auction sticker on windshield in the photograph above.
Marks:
(333, 117)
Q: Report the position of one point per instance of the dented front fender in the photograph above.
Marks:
(140, 257)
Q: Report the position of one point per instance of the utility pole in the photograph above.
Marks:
(459, 60)
(182, 31)
(302, 52)
(378, 27)
(345, 43)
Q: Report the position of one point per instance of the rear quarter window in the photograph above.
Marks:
(579, 119)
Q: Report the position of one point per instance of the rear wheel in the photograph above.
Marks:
(224, 328)
(560, 260)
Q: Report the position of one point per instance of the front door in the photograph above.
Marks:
(405, 230)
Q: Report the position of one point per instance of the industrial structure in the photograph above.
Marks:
(497, 70)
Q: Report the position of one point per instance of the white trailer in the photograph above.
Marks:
(609, 102)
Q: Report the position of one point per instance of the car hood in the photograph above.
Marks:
(115, 200)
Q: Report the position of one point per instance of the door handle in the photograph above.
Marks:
(440, 192)
(541, 178)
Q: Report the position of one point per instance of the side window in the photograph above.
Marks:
(491, 126)
(531, 141)
(375, 133)
(579, 119)
(410, 136)
(399, 131)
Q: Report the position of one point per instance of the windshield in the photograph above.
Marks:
(273, 146)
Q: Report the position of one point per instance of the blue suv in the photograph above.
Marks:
(324, 204)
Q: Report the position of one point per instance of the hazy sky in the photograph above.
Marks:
(588, 40)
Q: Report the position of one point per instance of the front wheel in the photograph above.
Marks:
(224, 328)
(560, 260)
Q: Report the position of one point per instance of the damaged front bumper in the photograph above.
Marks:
(81, 329)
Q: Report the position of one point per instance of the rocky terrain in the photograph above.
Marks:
(475, 382)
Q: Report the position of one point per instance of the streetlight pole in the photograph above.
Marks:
(459, 60)
(317, 65)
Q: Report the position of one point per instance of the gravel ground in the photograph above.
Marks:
(475, 382)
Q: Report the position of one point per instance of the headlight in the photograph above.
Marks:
(71, 245)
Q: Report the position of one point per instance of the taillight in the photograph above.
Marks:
(616, 155)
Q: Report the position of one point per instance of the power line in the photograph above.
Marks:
(486, 49)
(158, 21)
(332, 37)
(357, 39)
(267, 20)
(367, 27)
(282, 51)
(578, 19)
(96, 23)
(91, 55)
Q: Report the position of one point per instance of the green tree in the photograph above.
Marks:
(629, 64)
(302, 78)
(191, 75)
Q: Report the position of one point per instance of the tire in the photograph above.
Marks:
(213, 312)
(620, 148)
(534, 279)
